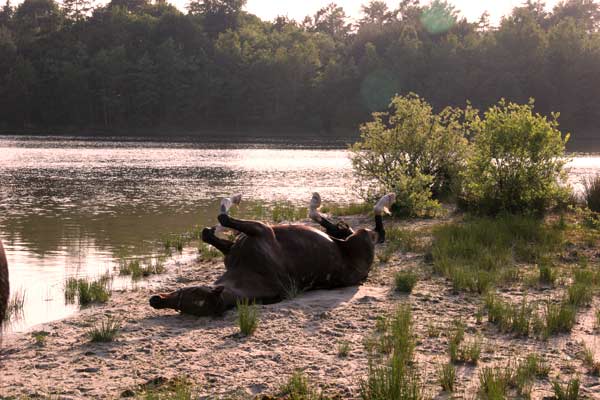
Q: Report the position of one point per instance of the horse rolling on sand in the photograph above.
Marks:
(264, 261)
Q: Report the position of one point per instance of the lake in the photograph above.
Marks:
(76, 206)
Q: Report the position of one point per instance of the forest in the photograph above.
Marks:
(134, 65)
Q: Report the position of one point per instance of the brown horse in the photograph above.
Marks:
(265, 262)
(4, 285)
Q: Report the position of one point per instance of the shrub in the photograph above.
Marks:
(516, 162)
(405, 281)
(247, 317)
(591, 191)
(412, 151)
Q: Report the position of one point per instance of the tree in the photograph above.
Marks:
(218, 15)
(77, 10)
(331, 19)
(376, 13)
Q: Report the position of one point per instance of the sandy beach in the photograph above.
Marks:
(299, 334)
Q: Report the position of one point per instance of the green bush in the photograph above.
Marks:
(516, 161)
(413, 152)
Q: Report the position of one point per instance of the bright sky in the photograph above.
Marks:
(471, 9)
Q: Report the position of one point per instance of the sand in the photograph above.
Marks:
(302, 333)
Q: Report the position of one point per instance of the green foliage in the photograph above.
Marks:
(516, 163)
(547, 274)
(483, 252)
(247, 317)
(494, 382)
(509, 317)
(106, 331)
(173, 389)
(137, 270)
(559, 318)
(411, 151)
(580, 294)
(405, 281)
(40, 337)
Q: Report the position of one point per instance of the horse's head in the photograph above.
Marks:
(197, 300)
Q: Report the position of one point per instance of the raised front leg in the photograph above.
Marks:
(250, 228)
(341, 230)
(223, 245)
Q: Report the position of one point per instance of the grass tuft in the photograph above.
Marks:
(405, 281)
(298, 387)
(40, 337)
(14, 307)
(343, 349)
(570, 392)
(247, 317)
(86, 291)
(393, 376)
(106, 331)
(447, 377)
(591, 192)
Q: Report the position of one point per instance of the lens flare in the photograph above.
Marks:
(378, 88)
(438, 18)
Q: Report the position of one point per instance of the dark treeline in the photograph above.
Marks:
(136, 64)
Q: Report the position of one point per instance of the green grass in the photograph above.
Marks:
(398, 239)
(340, 210)
(509, 317)
(208, 252)
(40, 337)
(589, 362)
(393, 374)
(597, 322)
(580, 294)
(298, 387)
(105, 331)
(14, 307)
(474, 255)
(559, 318)
(173, 389)
(343, 349)
(447, 377)
(405, 281)
(547, 273)
(494, 382)
(569, 392)
(283, 211)
(591, 192)
(86, 291)
(138, 270)
(247, 317)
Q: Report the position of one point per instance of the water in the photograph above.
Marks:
(76, 206)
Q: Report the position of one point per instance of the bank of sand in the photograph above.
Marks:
(303, 333)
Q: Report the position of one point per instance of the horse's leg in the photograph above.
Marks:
(250, 228)
(4, 284)
(382, 207)
(223, 245)
(339, 231)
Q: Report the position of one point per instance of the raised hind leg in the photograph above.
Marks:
(223, 245)
(341, 230)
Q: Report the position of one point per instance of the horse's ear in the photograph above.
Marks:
(218, 290)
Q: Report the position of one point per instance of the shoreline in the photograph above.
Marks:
(299, 334)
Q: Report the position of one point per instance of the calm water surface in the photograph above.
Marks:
(76, 206)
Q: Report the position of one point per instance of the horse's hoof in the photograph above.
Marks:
(207, 234)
